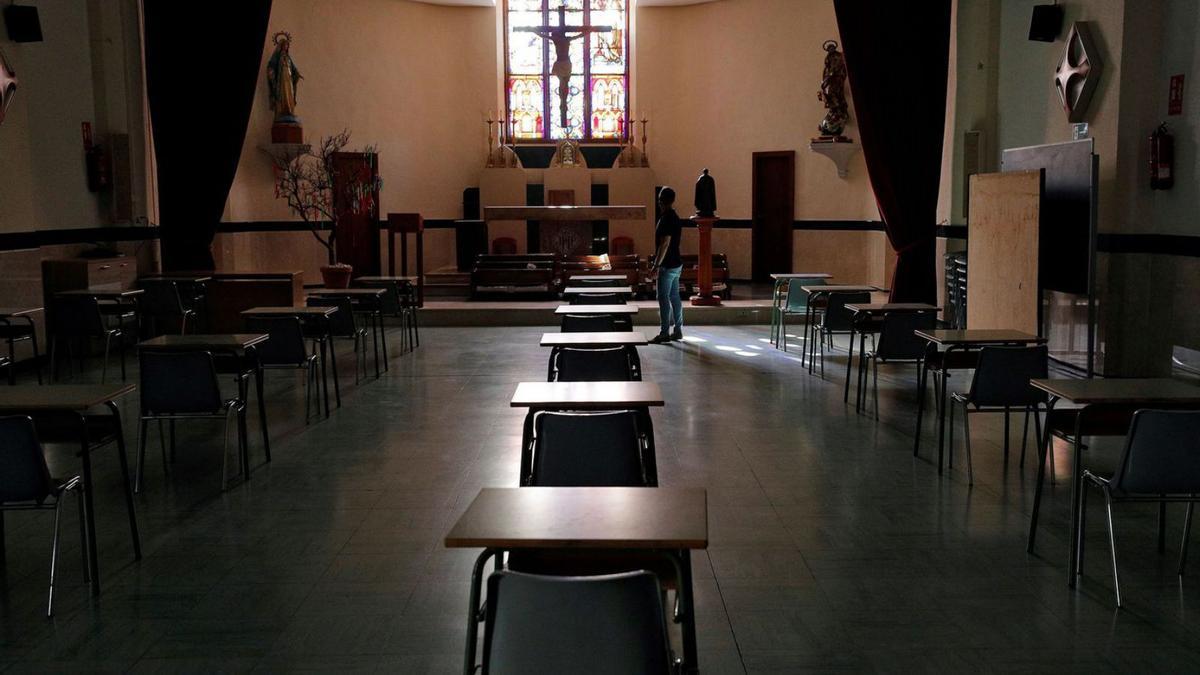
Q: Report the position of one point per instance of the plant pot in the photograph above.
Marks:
(336, 276)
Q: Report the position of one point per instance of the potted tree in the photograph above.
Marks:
(307, 179)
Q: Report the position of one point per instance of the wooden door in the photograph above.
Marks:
(772, 211)
(358, 229)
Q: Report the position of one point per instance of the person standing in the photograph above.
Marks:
(669, 264)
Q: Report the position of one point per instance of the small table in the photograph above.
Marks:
(865, 314)
(78, 399)
(596, 309)
(237, 345)
(629, 340)
(407, 293)
(810, 328)
(777, 297)
(597, 277)
(7, 314)
(370, 303)
(598, 290)
(320, 315)
(1107, 407)
(957, 341)
(670, 521)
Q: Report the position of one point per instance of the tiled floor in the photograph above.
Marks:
(832, 548)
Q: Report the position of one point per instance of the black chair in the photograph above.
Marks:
(343, 324)
(26, 485)
(609, 364)
(1001, 383)
(183, 386)
(598, 299)
(836, 319)
(161, 301)
(897, 343)
(398, 300)
(591, 323)
(590, 449)
(16, 329)
(598, 625)
(285, 349)
(79, 318)
(1161, 463)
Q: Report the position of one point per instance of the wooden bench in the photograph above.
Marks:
(631, 266)
(689, 279)
(529, 273)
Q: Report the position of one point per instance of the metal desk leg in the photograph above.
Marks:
(124, 460)
(383, 338)
(922, 390)
(474, 611)
(252, 353)
(1076, 494)
(375, 342)
(337, 389)
(942, 407)
(691, 661)
(850, 365)
(89, 506)
(526, 439)
(1043, 451)
(325, 346)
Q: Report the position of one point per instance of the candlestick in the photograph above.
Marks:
(491, 155)
(645, 156)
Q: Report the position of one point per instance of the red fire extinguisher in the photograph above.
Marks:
(1162, 159)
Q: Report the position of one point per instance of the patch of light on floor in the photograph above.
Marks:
(689, 338)
(797, 359)
(743, 353)
(754, 347)
(727, 348)
(767, 340)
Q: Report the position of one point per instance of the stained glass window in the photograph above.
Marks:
(593, 69)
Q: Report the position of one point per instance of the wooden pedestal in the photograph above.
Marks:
(704, 276)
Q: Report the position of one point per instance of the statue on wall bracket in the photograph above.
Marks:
(833, 94)
(1078, 72)
(283, 79)
(8, 85)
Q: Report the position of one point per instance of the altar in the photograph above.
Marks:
(564, 230)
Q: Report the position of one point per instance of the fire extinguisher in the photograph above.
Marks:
(1162, 159)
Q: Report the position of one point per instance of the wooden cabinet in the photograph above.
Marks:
(68, 274)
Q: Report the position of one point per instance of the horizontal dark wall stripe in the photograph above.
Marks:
(1152, 244)
(15, 241)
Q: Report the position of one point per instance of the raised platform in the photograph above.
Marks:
(541, 313)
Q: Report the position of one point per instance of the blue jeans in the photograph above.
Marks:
(669, 303)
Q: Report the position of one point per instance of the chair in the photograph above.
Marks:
(162, 300)
(504, 246)
(1161, 463)
(1001, 382)
(622, 246)
(399, 300)
(183, 386)
(285, 349)
(599, 625)
(26, 485)
(12, 333)
(590, 323)
(836, 319)
(79, 317)
(598, 299)
(344, 325)
(796, 303)
(609, 364)
(897, 344)
(590, 449)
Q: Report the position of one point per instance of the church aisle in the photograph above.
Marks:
(832, 548)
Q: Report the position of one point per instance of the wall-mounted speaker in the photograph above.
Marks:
(23, 23)
(1046, 23)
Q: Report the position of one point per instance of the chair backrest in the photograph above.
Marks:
(1003, 373)
(392, 300)
(897, 340)
(797, 300)
(178, 383)
(25, 477)
(837, 318)
(286, 344)
(76, 315)
(593, 365)
(1162, 454)
(160, 298)
(599, 624)
(588, 450)
(599, 299)
(588, 323)
(342, 322)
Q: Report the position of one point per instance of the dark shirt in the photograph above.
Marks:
(669, 225)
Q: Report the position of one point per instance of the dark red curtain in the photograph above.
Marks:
(897, 57)
(202, 64)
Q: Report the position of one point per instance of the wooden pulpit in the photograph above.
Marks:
(405, 224)
(704, 275)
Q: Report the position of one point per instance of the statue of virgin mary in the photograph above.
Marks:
(282, 79)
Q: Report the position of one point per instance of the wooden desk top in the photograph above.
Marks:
(597, 277)
(60, 397)
(596, 309)
(801, 275)
(289, 311)
(1121, 391)
(178, 278)
(580, 290)
(102, 292)
(491, 213)
(884, 307)
(8, 312)
(586, 395)
(606, 517)
(844, 288)
(617, 339)
(386, 280)
(346, 292)
(222, 342)
(978, 337)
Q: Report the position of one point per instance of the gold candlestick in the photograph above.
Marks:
(645, 157)
(491, 155)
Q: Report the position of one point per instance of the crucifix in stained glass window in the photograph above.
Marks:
(561, 36)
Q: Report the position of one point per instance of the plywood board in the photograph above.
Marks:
(1002, 251)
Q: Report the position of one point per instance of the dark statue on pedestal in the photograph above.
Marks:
(706, 196)
(833, 93)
